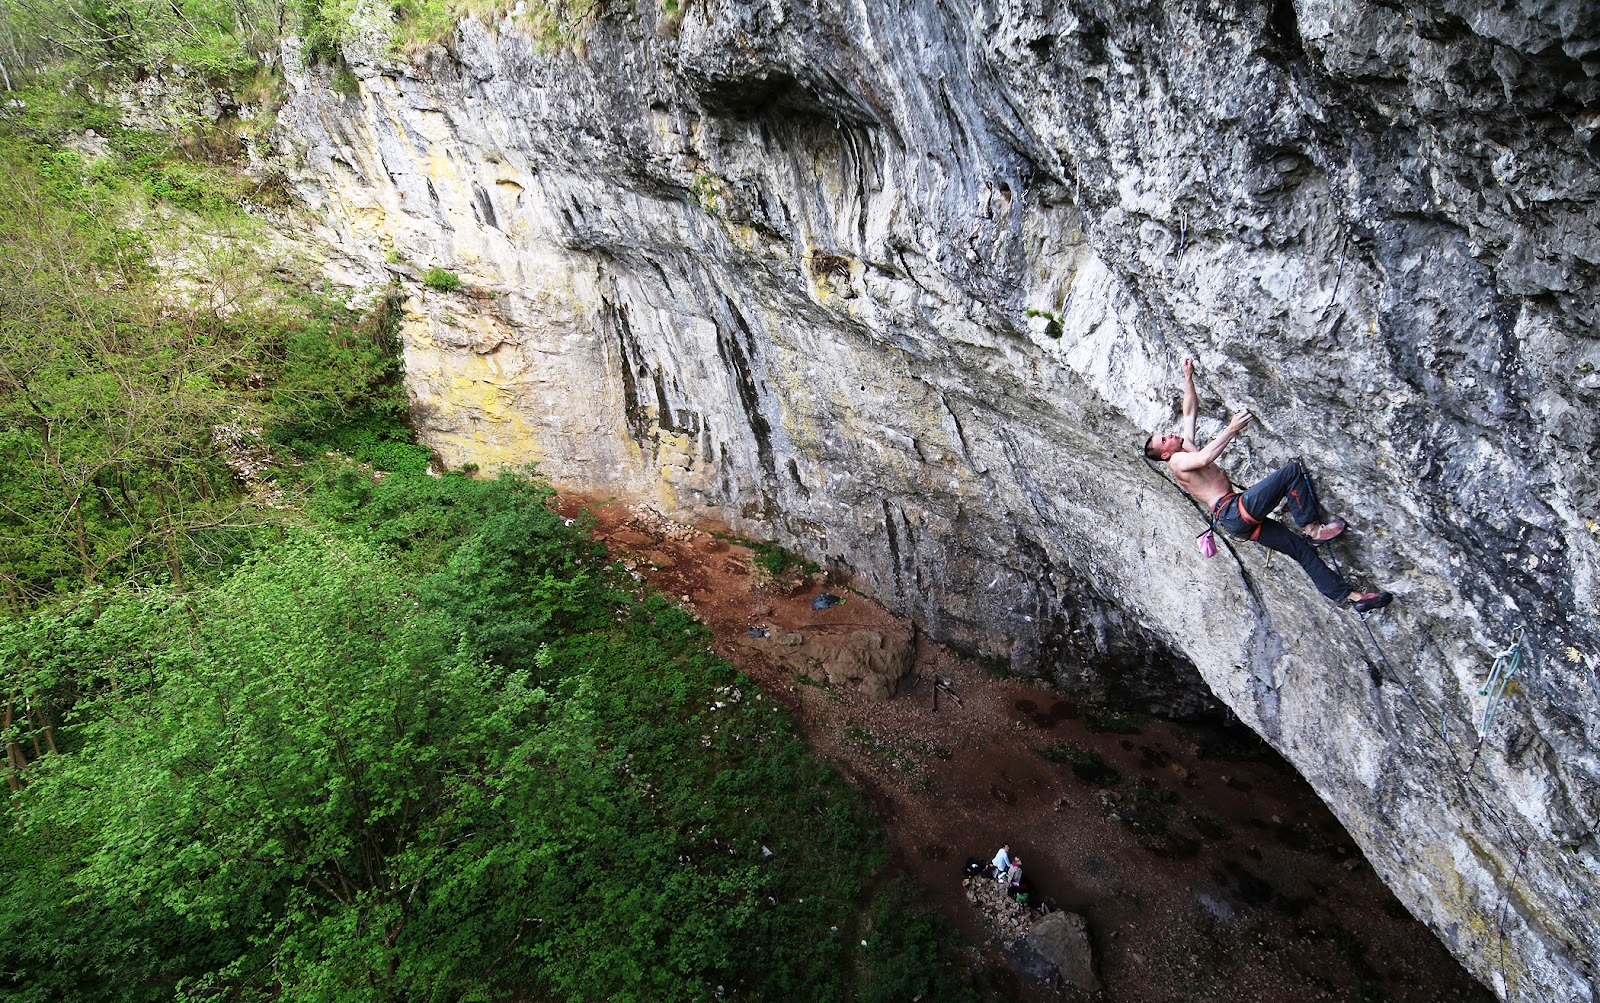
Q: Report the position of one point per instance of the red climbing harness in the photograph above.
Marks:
(1237, 498)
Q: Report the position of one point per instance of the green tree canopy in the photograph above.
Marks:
(312, 781)
(216, 37)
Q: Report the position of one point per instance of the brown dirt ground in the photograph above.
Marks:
(1241, 886)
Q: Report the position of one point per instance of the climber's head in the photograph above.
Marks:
(1163, 445)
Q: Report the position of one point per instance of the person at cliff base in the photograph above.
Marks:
(1014, 876)
(1246, 515)
(1001, 862)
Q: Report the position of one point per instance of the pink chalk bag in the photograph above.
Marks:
(1206, 542)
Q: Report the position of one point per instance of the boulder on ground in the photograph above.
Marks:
(1062, 938)
(864, 659)
(1039, 947)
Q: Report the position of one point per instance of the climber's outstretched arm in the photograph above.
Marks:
(1205, 457)
(1191, 404)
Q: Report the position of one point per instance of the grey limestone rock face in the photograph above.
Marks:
(905, 286)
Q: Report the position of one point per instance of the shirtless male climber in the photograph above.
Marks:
(1244, 515)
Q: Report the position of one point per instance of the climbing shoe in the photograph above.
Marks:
(1366, 602)
(1323, 532)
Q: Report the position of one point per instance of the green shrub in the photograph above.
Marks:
(910, 951)
(339, 383)
(344, 82)
(774, 559)
(441, 279)
(197, 188)
(110, 466)
(320, 778)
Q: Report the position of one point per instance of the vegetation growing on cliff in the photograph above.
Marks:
(151, 338)
(219, 38)
(215, 42)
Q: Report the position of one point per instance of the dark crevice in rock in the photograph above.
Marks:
(483, 207)
(894, 545)
(615, 317)
(664, 410)
(1284, 24)
(734, 354)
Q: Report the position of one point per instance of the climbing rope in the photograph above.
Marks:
(1505, 665)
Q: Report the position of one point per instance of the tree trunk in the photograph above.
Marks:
(15, 763)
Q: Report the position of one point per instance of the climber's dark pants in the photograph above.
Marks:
(1251, 523)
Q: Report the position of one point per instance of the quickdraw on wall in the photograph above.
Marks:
(1505, 666)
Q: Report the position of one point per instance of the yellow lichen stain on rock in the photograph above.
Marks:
(416, 331)
(793, 392)
(674, 453)
(458, 450)
(674, 466)
(1477, 929)
(745, 238)
(373, 219)
(471, 396)
(480, 393)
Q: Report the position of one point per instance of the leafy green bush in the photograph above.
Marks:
(111, 391)
(197, 188)
(441, 279)
(910, 951)
(774, 559)
(510, 571)
(311, 781)
(339, 383)
(136, 393)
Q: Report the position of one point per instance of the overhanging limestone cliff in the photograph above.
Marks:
(906, 284)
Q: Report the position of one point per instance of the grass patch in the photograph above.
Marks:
(775, 560)
(1087, 764)
(1117, 724)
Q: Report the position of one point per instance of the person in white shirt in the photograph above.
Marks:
(1002, 863)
